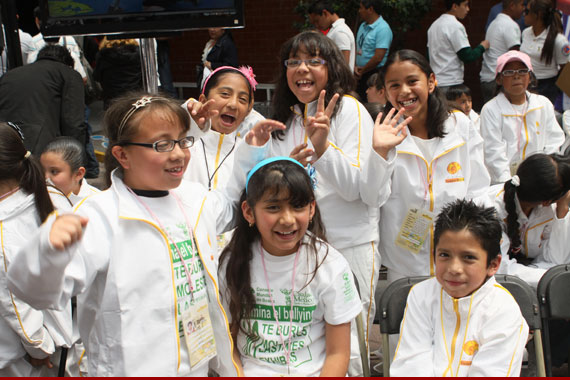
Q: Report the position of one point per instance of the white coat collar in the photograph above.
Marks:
(15, 203)
(451, 140)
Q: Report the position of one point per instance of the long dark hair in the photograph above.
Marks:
(273, 177)
(26, 170)
(340, 79)
(546, 10)
(116, 114)
(438, 109)
(542, 178)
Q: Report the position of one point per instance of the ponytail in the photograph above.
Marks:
(33, 182)
(16, 163)
(512, 220)
(551, 18)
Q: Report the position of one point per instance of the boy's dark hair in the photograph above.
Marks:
(457, 91)
(376, 80)
(480, 221)
(340, 78)
(449, 3)
(58, 53)
(273, 177)
(438, 109)
(506, 3)
(318, 6)
(542, 178)
(375, 4)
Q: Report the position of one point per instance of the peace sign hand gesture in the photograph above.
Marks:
(387, 134)
(318, 126)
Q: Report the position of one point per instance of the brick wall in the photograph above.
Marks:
(270, 22)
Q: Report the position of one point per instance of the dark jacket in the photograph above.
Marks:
(46, 99)
(224, 52)
(118, 69)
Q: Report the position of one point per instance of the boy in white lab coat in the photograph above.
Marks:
(462, 322)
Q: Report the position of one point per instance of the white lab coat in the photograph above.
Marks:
(511, 137)
(408, 180)
(483, 334)
(544, 238)
(122, 273)
(348, 220)
(24, 330)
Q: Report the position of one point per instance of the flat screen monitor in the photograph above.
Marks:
(97, 17)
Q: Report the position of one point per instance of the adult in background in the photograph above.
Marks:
(373, 42)
(45, 98)
(503, 34)
(324, 17)
(448, 45)
(118, 68)
(545, 44)
(219, 51)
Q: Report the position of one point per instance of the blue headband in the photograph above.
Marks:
(268, 161)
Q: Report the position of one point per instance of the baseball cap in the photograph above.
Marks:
(512, 56)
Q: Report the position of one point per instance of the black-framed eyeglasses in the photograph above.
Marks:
(313, 62)
(511, 73)
(162, 146)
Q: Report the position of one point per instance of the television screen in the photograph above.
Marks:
(94, 17)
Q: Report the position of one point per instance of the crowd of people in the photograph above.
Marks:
(231, 243)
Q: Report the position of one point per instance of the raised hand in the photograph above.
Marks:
(66, 230)
(202, 112)
(387, 134)
(318, 126)
(261, 132)
(302, 154)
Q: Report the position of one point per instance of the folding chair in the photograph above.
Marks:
(361, 337)
(526, 298)
(392, 305)
(553, 299)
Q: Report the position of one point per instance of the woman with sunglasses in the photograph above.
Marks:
(516, 124)
(545, 44)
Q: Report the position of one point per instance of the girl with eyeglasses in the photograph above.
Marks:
(331, 131)
(140, 256)
(516, 123)
(545, 44)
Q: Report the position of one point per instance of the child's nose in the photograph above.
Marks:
(287, 217)
(455, 266)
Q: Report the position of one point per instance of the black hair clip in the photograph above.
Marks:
(17, 129)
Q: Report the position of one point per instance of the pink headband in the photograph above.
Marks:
(247, 72)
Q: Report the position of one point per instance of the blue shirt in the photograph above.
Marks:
(370, 37)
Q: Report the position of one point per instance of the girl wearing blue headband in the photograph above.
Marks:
(290, 296)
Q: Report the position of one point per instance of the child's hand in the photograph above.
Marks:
(387, 134)
(318, 126)
(261, 132)
(41, 362)
(562, 205)
(66, 230)
(301, 154)
(202, 112)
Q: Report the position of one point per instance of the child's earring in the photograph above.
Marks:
(251, 224)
